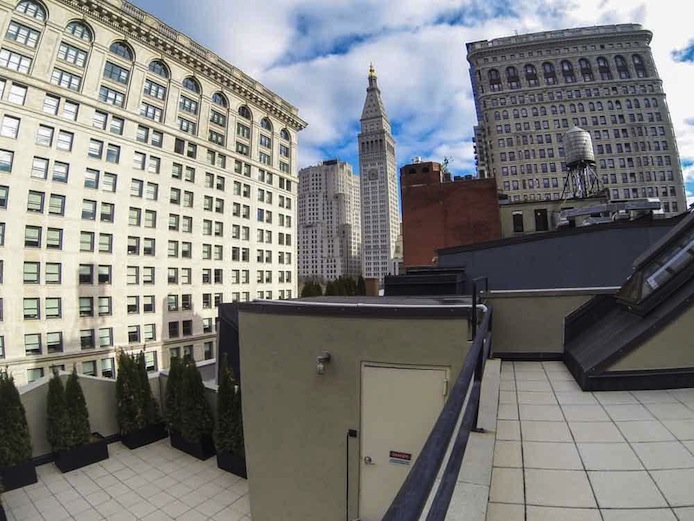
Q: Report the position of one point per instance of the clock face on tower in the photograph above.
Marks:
(373, 174)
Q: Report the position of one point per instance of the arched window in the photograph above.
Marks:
(535, 112)
(622, 70)
(159, 68)
(524, 113)
(512, 78)
(610, 105)
(599, 105)
(618, 105)
(79, 30)
(628, 104)
(581, 108)
(32, 9)
(516, 114)
(639, 66)
(245, 112)
(604, 69)
(220, 99)
(586, 70)
(531, 75)
(504, 114)
(646, 103)
(591, 106)
(553, 109)
(572, 108)
(654, 102)
(549, 74)
(497, 116)
(266, 124)
(494, 80)
(543, 111)
(123, 50)
(191, 84)
(284, 134)
(567, 70)
(562, 109)
(637, 105)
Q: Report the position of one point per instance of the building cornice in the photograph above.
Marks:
(145, 28)
(564, 37)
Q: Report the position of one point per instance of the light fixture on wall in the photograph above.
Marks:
(321, 360)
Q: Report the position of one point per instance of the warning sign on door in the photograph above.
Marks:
(400, 458)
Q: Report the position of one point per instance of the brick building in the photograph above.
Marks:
(439, 212)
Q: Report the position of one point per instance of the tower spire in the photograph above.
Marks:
(373, 79)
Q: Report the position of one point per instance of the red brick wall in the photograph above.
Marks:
(439, 214)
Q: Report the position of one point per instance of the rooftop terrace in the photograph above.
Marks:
(152, 483)
(561, 453)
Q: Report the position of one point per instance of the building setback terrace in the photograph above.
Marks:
(562, 453)
(152, 483)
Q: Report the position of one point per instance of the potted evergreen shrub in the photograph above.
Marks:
(16, 466)
(69, 433)
(3, 516)
(138, 415)
(188, 413)
(229, 430)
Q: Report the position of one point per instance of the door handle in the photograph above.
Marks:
(368, 460)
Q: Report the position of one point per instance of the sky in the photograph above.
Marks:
(316, 55)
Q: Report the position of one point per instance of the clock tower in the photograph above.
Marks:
(380, 214)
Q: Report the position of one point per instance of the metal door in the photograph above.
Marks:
(399, 406)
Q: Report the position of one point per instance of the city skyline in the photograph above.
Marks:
(419, 52)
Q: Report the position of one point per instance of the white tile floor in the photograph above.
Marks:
(607, 456)
(152, 483)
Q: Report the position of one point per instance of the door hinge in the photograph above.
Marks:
(445, 387)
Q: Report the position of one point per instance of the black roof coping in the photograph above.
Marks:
(369, 307)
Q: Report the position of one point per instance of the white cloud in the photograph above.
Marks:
(316, 55)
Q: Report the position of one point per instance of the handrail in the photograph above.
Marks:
(475, 297)
(414, 492)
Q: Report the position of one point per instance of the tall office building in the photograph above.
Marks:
(530, 89)
(329, 222)
(380, 214)
(143, 180)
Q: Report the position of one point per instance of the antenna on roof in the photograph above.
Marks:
(515, 32)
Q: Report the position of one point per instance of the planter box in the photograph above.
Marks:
(145, 436)
(203, 449)
(3, 517)
(18, 476)
(82, 456)
(232, 463)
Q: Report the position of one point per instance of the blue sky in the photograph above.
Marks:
(316, 53)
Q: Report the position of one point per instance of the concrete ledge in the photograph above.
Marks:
(554, 292)
(470, 497)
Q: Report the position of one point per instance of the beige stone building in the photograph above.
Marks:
(531, 89)
(143, 180)
(329, 225)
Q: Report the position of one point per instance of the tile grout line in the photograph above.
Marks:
(520, 435)
(629, 443)
(568, 426)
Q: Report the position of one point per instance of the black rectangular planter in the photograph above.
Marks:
(203, 449)
(144, 436)
(232, 463)
(67, 460)
(18, 476)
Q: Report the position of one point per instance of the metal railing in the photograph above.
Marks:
(412, 496)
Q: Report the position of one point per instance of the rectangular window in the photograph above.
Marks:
(99, 119)
(32, 344)
(35, 201)
(186, 125)
(136, 187)
(14, 61)
(150, 332)
(188, 105)
(44, 136)
(22, 34)
(116, 73)
(6, 159)
(139, 160)
(17, 94)
(148, 275)
(133, 275)
(10, 127)
(50, 104)
(113, 154)
(86, 306)
(65, 141)
(88, 210)
(54, 238)
(155, 90)
(243, 131)
(71, 54)
(60, 171)
(32, 236)
(150, 219)
(106, 337)
(54, 342)
(105, 243)
(111, 96)
(173, 330)
(133, 303)
(91, 179)
(87, 339)
(148, 304)
(31, 309)
(109, 182)
(53, 273)
(53, 307)
(150, 112)
(65, 79)
(187, 327)
(105, 306)
(104, 274)
(86, 274)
